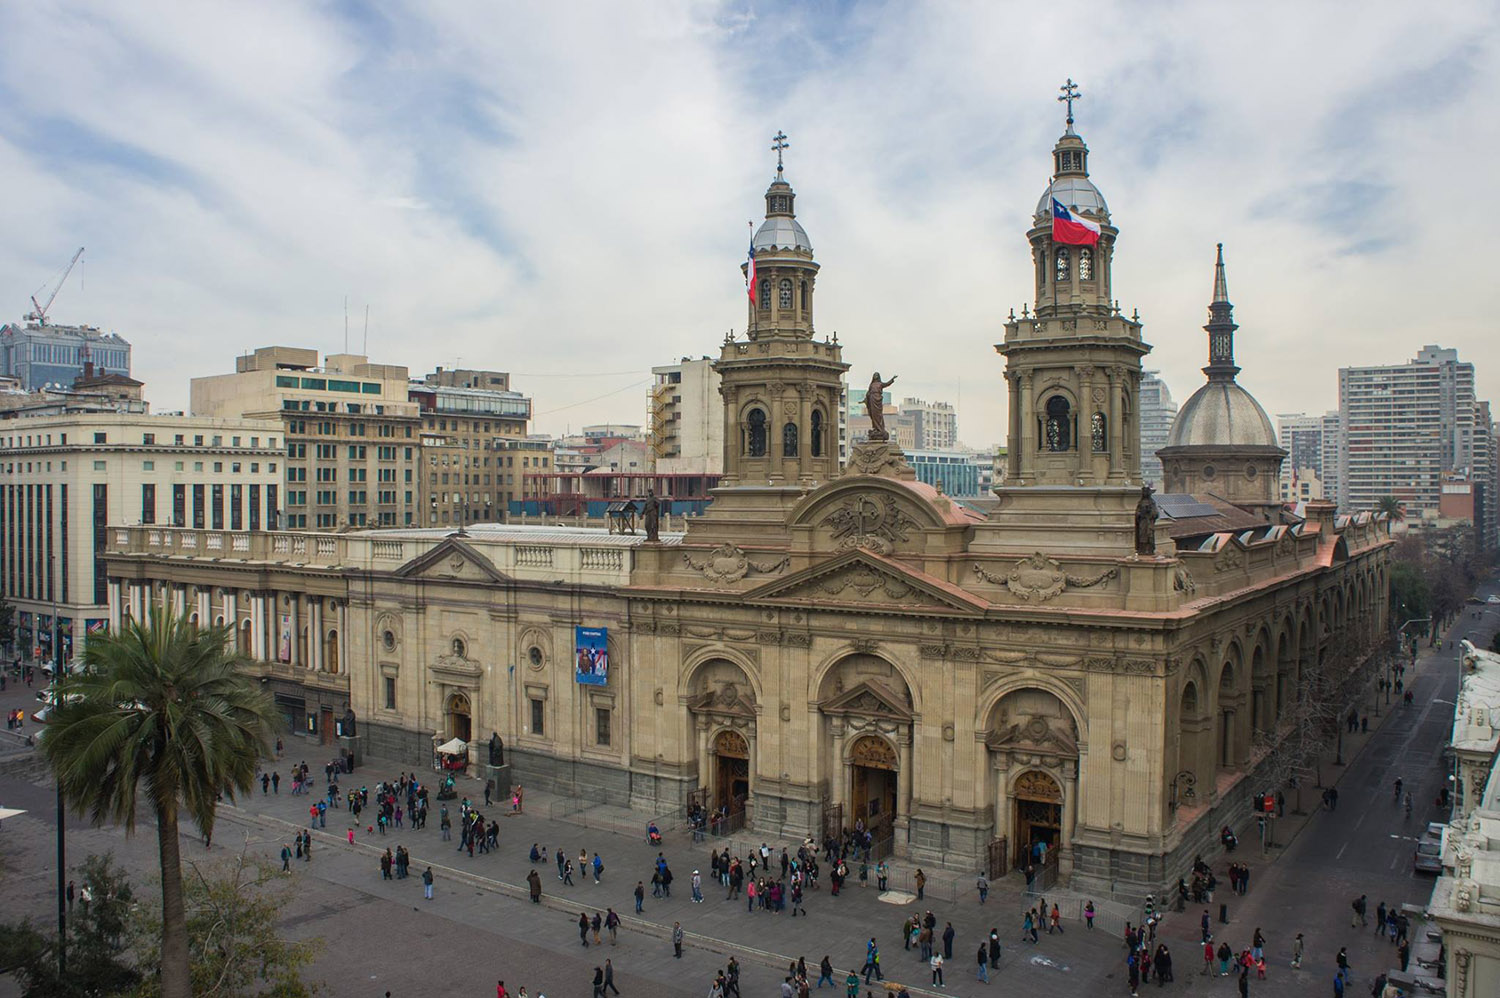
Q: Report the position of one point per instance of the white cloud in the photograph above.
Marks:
(553, 188)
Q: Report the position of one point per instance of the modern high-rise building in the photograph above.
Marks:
(1314, 445)
(1157, 412)
(934, 425)
(42, 354)
(687, 418)
(1406, 426)
(470, 420)
(352, 447)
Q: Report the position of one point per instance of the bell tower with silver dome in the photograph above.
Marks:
(1073, 362)
(781, 387)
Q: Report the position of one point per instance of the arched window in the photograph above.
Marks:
(789, 440)
(785, 297)
(815, 435)
(804, 296)
(1063, 264)
(1097, 427)
(755, 433)
(765, 294)
(1085, 264)
(1059, 424)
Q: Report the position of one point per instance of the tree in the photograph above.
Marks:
(7, 622)
(97, 942)
(159, 707)
(233, 913)
(1391, 507)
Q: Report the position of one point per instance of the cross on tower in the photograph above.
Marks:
(1070, 93)
(779, 143)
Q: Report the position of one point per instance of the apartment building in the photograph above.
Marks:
(1157, 412)
(934, 425)
(1405, 426)
(687, 418)
(353, 452)
(69, 477)
(473, 430)
(1314, 447)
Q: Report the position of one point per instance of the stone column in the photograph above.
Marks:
(294, 612)
(231, 612)
(1069, 818)
(1028, 429)
(343, 625)
(1085, 375)
(205, 608)
(315, 634)
(179, 601)
(116, 605)
(1000, 763)
(257, 649)
(700, 724)
(838, 780)
(1116, 431)
(902, 824)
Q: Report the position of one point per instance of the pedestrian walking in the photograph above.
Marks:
(1245, 982)
(596, 923)
(598, 868)
(427, 883)
(984, 964)
(534, 882)
(1343, 961)
(609, 979)
(948, 935)
(1297, 952)
(995, 949)
(598, 971)
(677, 940)
(1088, 915)
(640, 896)
(882, 875)
(983, 886)
(276, 783)
(920, 879)
(1358, 918)
(872, 961)
(1208, 957)
(70, 895)
(825, 972)
(583, 929)
(697, 888)
(286, 858)
(1056, 920)
(612, 923)
(937, 970)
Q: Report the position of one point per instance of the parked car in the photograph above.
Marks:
(1428, 856)
(1493, 599)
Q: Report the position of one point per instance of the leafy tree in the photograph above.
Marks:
(1411, 596)
(97, 942)
(7, 622)
(161, 708)
(233, 913)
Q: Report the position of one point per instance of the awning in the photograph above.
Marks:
(9, 812)
(454, 747)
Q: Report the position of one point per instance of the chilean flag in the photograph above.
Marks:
(1070, 229)
(750, 272)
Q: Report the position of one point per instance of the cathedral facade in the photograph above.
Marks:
(1085, 665)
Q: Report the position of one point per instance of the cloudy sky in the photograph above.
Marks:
(560, 190)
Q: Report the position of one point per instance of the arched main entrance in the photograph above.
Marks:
(873, 768)
(731, 772)
(1038, 814)
(458, 717)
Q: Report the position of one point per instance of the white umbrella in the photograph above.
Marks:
(453, 747)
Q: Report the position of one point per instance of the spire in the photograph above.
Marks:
(1220, 328)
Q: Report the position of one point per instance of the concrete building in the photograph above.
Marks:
(687, 421)
(90, 392)
(68, 476)
(934, 425)
(1404, 426)
(469, 422)
(952, 472)
(1314, 446)
(43, 354)
(827, 644)
(353, 452)
(1157, 412)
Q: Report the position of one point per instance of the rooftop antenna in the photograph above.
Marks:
(346, 324)
(365, 349)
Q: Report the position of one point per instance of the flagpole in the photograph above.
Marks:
(1047, 265)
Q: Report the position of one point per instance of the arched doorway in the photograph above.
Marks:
(873, 768)
(458, 717)
(1038, 814)
(731, 772)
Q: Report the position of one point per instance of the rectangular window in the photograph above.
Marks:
(98, 465)
(255, 507)
(148, 465)
(236, 507)
(199, 512)
(101, 520)
(179, 505)
(601, 725)
(284, 381)
(99, 438)
(148, 503)
(390, 692)
(218, 507)
(148, 438)
(270, 507)
(538, 713)
(316, 384)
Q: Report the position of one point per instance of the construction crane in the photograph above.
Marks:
(39, 311)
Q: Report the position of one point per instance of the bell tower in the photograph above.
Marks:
(781, 387)
(1073, 362)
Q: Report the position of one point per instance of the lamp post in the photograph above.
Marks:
(62, 850)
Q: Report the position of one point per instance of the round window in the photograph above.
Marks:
(1250, 471)
(535, 655)
(388, 639)
(1208, 471)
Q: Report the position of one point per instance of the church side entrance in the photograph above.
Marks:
(1038, 815)
(872, 795)
(731, 773)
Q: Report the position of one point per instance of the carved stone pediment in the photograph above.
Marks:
(1035, 733)
(870, 520)
(726, 700)
(451, 666)
(864, 578)
(870, 698)
(452, 560)
(1228, 558)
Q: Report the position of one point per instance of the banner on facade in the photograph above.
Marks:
(284, 644)
(591, 653)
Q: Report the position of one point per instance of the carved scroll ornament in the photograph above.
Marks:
(1040, 578)
(728, 563)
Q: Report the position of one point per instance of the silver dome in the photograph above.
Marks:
(1073, 192)
(781, 232)
(1221, 414)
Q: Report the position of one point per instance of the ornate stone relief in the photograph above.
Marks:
(728, 563)
(1228, 558)
(865, 646)
(874, 523)
(865, 582)
(1040, 578)
(1182, 580)
(1037, 786)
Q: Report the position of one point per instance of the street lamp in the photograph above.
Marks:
(62, 851)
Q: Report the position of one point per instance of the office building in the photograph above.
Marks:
(43, 354)
(687, 418)
(1157, 412)
(69, 477)
(470, 419)
(352, 447)
(933, 425)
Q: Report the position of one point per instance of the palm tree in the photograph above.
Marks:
(160, 708)
(1392, 507)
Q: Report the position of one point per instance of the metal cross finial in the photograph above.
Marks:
(779, 143)
(1070, 93)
